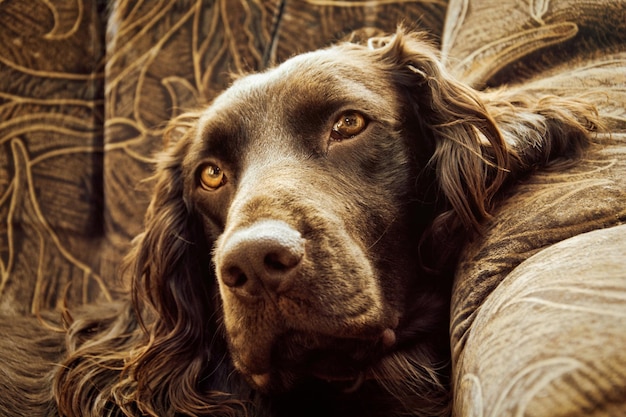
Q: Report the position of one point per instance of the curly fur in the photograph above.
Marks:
(384, 215)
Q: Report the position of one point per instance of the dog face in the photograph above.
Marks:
(304, 175)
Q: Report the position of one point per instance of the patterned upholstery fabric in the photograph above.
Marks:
(558, 316)
(548, 341)
(86, 88)
(543, 336)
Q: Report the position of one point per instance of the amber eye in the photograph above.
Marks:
(212, 177)
(348, 125)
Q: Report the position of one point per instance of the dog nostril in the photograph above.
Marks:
(235, 277)
(281, 262)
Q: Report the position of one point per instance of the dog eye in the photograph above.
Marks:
(348, 126)
(212, 177)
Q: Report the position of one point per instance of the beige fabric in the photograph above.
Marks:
(536, 341)
(545, 209)
(549, 340)
(491, 42)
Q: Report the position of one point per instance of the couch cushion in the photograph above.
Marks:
(549, 340)
(51, 149)
(570, 47)
(494, 42)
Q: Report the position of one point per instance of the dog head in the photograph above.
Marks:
(308, 176)
(297, 211)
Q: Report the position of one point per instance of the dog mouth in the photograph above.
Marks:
(297, 356)
(317, 311)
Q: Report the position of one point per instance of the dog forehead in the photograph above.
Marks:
(337, 61)
(304, 91)
(327, 74)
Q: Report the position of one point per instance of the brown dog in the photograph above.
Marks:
(302, 235)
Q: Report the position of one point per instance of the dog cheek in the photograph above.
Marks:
(341, 284)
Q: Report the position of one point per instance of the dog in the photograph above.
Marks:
(300, 244)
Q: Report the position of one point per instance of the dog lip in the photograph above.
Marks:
(347, 385)
(257, 357)
(254, 361)
(343, 358)
(346, 370)
(388, 338)
(262, 381)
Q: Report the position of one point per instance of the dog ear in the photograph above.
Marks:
(468, 154)
(478, 140)
(174, 293)
(160, 254)
(149, 357)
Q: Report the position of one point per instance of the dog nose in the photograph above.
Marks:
(267, 254)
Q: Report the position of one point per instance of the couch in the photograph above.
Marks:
(538, 317)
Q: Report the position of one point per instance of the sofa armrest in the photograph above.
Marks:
(549, 340)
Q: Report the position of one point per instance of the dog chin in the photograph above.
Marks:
(282, 382)
(342, 362)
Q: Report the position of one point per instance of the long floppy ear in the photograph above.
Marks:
(479, 140)
(174, 294)
(159, 259)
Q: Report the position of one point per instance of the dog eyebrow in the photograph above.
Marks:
(315, 113)
(310, 121)
(220, 140)
(317, 105)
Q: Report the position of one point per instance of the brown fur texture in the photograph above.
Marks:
(314, 278)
